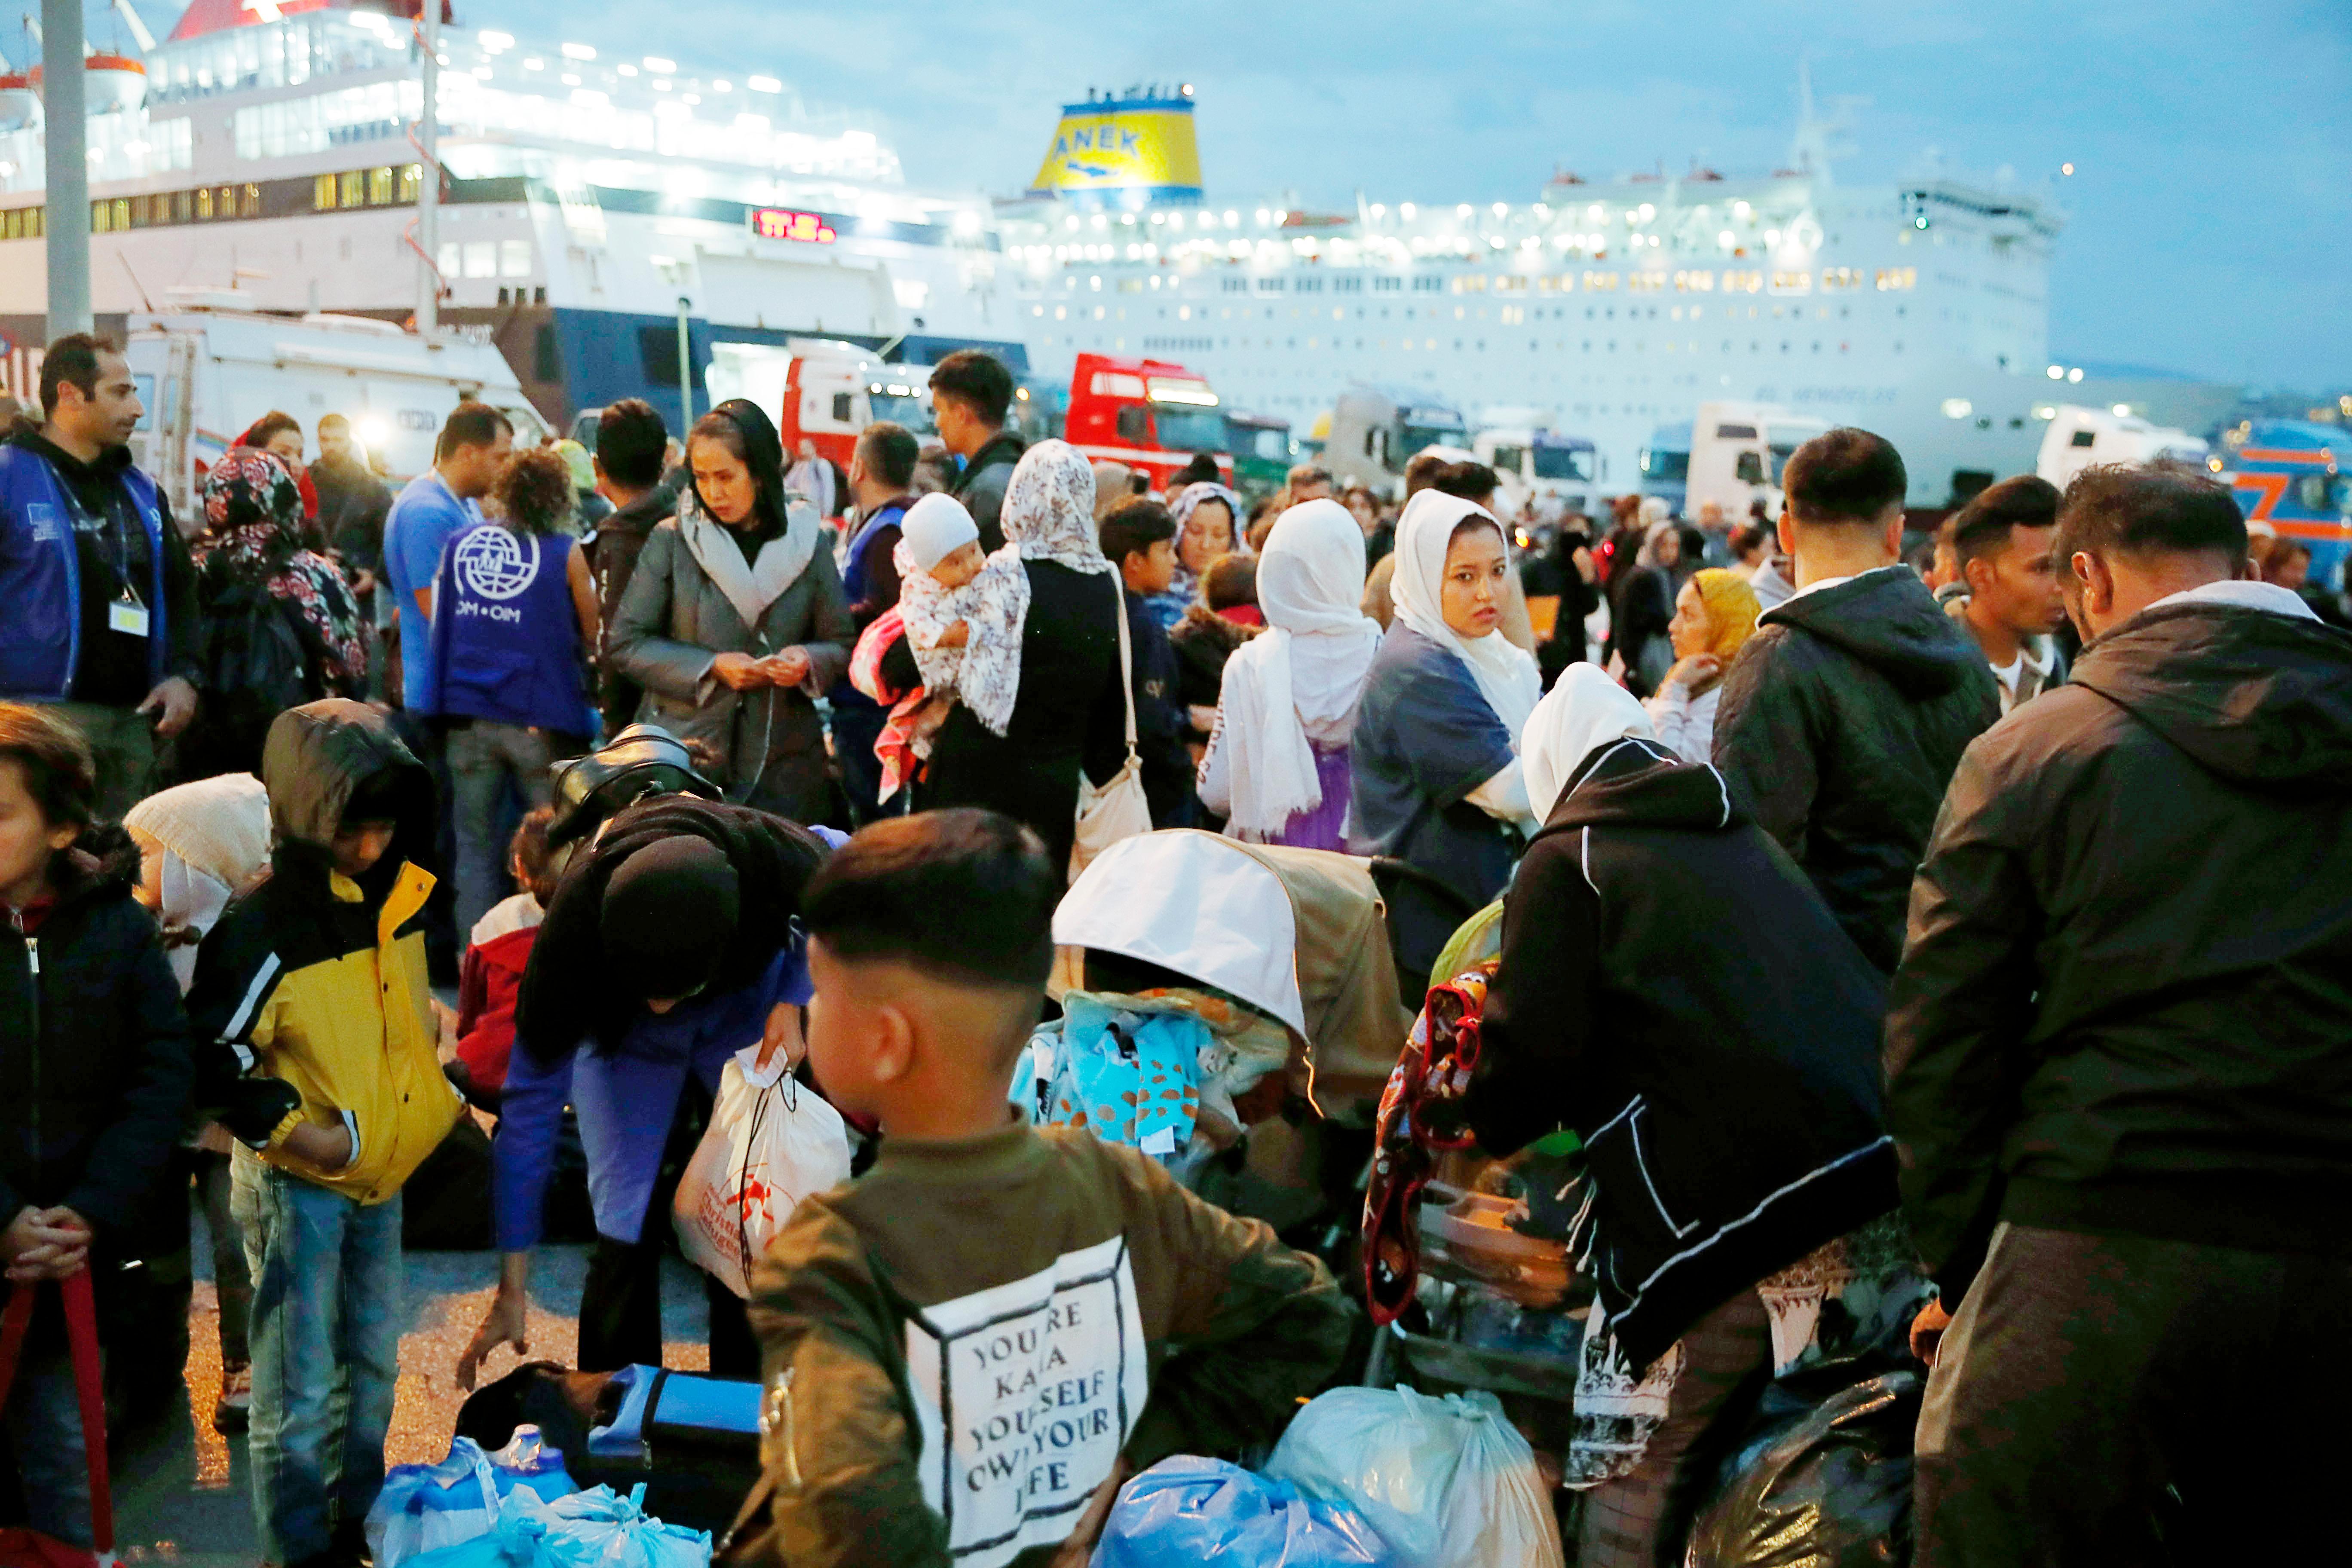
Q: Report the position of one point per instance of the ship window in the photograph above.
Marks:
(354, 189)
(409, 179)
(98, 217)
(379, 187)
(1310, 285)
(1428, 284)
(12, 224)
(514, 258)
(322, 193)
(481, 258)
(121, 205)
(252, 205)
(1269, 285)
(35, 221)
(1347, 285)
(225, 202)
(1388, 285)
(1236, 285)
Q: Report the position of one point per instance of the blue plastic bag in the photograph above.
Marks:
(1188, 1512)
(594, 1529)
(424, 1507)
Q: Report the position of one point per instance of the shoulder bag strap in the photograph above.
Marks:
(1126, 665)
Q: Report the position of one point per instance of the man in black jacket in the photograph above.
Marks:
(1842, 720)
(2119, 1059)
(630, 444)
(971, 397)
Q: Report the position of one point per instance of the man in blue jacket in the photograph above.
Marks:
(102, 615)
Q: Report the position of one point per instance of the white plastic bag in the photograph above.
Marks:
(1448, 1483)
(770, 1143)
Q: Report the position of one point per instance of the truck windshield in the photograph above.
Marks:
(1416, 436)
(1563, 463)
(1267, 443)
(1661, 463)
(1782, 453)
(907, 410)
(1190, 429)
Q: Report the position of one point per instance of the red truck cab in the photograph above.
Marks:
(1151, 415)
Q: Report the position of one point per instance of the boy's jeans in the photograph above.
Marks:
(326, 1354)
(44, 1425)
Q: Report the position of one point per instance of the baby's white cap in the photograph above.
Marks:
(935, 528)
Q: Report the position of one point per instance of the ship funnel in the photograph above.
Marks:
(1122, 153)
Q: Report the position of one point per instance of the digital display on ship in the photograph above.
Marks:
(782, 223)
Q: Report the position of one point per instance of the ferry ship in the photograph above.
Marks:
(264, 155)
(1919, 308)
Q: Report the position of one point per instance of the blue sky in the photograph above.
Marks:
(2211, 209)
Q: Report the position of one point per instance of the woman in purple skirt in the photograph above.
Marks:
(1276, 766)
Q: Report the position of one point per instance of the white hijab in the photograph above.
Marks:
(1584, 708)
(1049, 508)
(1299, 679)
(751, 587)
(1507, 676)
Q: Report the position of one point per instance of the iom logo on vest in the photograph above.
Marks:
(494, 564)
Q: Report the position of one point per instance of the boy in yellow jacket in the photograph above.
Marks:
(316, 978)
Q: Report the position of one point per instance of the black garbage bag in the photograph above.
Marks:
(1821, 1482)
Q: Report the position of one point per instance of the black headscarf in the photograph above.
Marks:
(575, 990)
(763, 454)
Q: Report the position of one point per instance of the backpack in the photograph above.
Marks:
(255, 665)
(1420, 1119)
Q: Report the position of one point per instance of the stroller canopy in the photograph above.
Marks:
(1295, 933)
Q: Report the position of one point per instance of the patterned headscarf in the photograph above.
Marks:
(253, 534)
(1049, 508)
(1731, 611)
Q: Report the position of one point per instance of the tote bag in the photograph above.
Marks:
(1118, 809)
(771, 1142)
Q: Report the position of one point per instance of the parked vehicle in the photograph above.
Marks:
(209, 368)
(1263, 452)
(2078, 437)
(1557, 472)
(1376, 430)
(1151, 415)
(1730, 454)
(2287, 473)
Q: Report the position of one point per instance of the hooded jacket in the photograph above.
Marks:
(981, 485)
(2125, 1006)
(1840, 724)
(94, 1081)
(319, 979)
(1673, 990)
(612, 556)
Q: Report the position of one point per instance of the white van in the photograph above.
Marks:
(2078, 437)
(207, 371)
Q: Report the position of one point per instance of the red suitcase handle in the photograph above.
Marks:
(81, 1337)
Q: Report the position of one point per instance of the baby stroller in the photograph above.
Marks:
(1231, 989)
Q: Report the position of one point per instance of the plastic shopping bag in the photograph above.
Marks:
(771, 1142)
(1448, 1483)
(594, 1529)
(424, 1507)
(1185, 1511)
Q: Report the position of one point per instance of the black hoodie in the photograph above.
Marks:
(1840, 724)
(1673, 990)
(2126, 1002)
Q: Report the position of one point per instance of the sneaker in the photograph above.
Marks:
(234, 1408)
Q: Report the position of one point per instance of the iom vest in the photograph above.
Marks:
(40, 579)
(505, 638)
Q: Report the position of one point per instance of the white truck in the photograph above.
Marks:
(207, 369)
(2078, 437)
(1730, 454)
(1376, 430)
(1534, 462)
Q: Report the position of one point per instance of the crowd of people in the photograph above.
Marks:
(1949, 942)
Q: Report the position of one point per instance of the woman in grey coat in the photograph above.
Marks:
(735, 618)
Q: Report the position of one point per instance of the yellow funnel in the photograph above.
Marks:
(1122, 153)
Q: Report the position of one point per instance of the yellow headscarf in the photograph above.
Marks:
(1731, 610)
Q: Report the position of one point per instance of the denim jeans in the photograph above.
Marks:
(325, 1338)
(44, 1429)
(482, 757)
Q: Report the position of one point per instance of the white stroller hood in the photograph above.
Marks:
(1198, 904)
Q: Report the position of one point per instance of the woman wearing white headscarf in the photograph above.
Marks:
(1435, 758)
(1068, 710)
(1276, 767)
(1671, 988)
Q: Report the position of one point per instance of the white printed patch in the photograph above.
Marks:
(495, 564)
(1025, 1394)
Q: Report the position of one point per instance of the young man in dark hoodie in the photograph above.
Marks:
(2119, 1065)
(100, 597)
(317, 979)
(630, 444)
(93, 1080)
(1844, 716)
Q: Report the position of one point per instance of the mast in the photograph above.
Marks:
(66, 133)
(428, 175)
